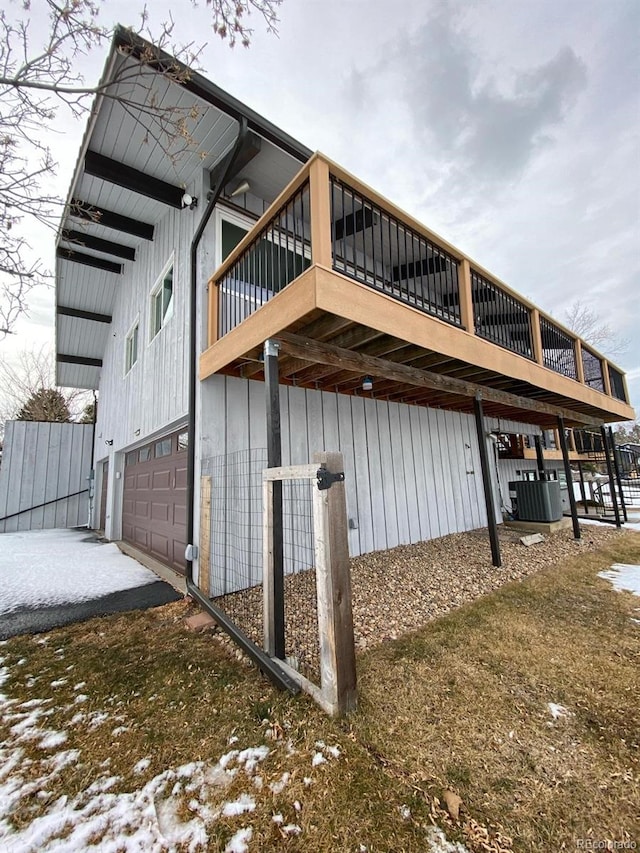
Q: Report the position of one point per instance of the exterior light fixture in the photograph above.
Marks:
(241, 189)
(189, 201)
(367, 383)
(108, 441)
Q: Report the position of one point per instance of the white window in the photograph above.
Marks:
(162, 301)
(131, 348)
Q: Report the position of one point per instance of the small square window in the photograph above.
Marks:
(131, 458)
(183, 441)
(131, 349)
(162, 302)
(163, 448)
(144, 454)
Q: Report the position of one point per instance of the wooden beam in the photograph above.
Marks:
(333, 580)
(81, 238)
(466, 303)
(320, 204)
(79, 314)
(116, 221)
(213, 313)
(88, 260)
(115, 172)
(84, 360)
(323, 353)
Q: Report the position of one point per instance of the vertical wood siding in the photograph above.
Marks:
(411, 473)
(155, 391)
(42, 462)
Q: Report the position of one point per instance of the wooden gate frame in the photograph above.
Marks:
(337, 693)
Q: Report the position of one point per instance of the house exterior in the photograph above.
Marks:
(176, 267)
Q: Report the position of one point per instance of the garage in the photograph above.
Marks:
(155, 499)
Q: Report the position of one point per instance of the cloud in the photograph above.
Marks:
(489, 126)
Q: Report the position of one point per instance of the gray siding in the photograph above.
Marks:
(411, 473)
(154, 392)
(43, 462)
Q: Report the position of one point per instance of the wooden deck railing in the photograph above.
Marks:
(326, 217)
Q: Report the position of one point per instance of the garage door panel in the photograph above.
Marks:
(141, 537)
(178, 550)
(162, 480)
(160, 511)
(154, 504)
(142, 509)
(160, 545)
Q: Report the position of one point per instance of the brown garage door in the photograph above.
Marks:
(154, 502)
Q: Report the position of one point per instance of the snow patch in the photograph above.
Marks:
(558, 711)
(238, 843)
(439, 843)
(243, 804)
(51, 740)
(318, 758)
(623, 577)
(60, 567)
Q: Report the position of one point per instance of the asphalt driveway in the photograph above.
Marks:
(50, 578)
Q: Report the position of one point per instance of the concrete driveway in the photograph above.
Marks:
(50, 578)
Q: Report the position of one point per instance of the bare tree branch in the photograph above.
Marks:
(35, 83)
(584, 321)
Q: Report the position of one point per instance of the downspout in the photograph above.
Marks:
(92, 473)
(212, 200)
(269, 667)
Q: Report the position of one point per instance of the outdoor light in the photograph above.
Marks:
(367, 383)
(241, 189)
(108, 441)
(189, 201)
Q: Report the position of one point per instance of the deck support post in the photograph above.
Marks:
(539, 457)
(612, 485)
(486, 482)
(616, 467)
(562, 435)
(583, 491)
(274, 460)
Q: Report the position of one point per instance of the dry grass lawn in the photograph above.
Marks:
(461, 704)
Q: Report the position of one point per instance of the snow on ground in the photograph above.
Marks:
(623, 577)
(151, 817)
(41, 568)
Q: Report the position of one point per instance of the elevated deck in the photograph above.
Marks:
(351, 287)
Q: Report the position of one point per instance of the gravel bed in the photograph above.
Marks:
(402, 589)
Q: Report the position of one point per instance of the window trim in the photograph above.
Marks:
(129, 336)
(155, 290)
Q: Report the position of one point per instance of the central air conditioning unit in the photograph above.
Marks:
(538, 500)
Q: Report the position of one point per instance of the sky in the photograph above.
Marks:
(510, 127)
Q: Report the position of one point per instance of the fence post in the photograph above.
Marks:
(274, 460)
(267, 562)
(205, 536)
(333, 582)
(562, 435)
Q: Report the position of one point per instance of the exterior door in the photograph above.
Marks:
(154, 516)
(103, 495)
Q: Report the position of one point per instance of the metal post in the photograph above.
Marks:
(567, 471)
(583, 491)
(612, 485)
(274, 460)
(539, 458)
(486, 482)
(616, 466)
